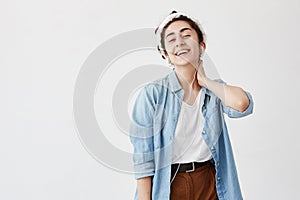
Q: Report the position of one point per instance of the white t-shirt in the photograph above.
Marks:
(188, 145)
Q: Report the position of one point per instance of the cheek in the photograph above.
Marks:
(169, 48)
(196, 48)
(171, 57)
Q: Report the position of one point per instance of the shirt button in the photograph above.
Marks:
(219, 178)
(203, 132)
(212, 148)
(204, 107)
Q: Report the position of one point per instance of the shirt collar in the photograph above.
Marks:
(175, 84)
(176, 87)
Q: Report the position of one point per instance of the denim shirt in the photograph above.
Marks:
(153, 122)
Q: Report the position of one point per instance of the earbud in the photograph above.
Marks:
(202, 52)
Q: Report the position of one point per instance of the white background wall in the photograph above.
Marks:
(254, 44)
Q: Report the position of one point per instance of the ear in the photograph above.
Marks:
(203, 44)
(168, 59)
(165, 54)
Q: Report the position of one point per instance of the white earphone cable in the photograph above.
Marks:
(175, 173)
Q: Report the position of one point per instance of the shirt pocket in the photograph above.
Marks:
(214, 123)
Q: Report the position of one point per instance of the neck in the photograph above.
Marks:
(187, 76)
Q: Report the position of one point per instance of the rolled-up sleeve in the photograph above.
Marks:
(233, 113)
(141, 134)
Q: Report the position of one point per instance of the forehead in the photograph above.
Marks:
(177, 26)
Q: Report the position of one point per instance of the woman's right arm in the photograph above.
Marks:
(144, 188)
(141, 136)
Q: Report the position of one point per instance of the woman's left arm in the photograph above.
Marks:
(231, 96)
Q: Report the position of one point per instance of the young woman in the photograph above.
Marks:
(182, 149)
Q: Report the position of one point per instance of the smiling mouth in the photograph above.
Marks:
(182, 52)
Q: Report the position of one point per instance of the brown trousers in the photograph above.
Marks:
(197, 185)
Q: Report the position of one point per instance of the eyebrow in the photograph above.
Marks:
(181, 30)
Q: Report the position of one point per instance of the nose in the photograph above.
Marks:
(179, 41)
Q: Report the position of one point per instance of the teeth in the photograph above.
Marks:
(181, 52)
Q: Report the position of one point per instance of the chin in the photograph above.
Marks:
(184, 63)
